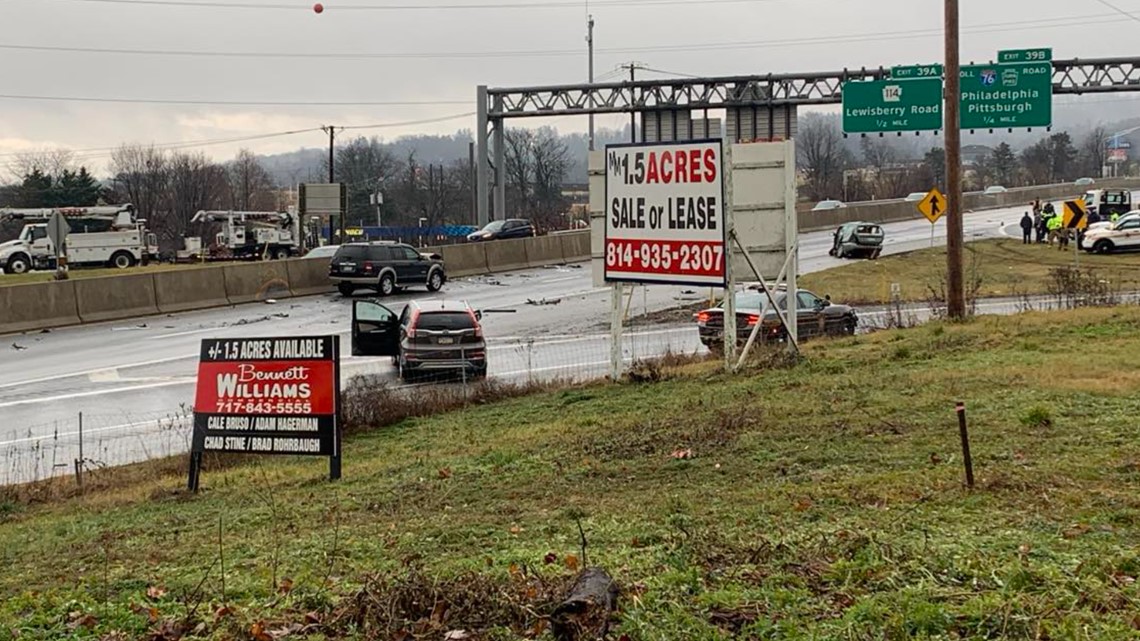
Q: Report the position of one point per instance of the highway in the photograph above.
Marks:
(133, 380)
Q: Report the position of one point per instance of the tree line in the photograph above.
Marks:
(169, 187)
(879, 169)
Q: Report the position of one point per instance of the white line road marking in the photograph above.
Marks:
(88, 372)
(117, 390)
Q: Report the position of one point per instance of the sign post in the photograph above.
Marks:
(268, 396)
(1075, 221)
(57, 230)
(665, 219)
(933, 206)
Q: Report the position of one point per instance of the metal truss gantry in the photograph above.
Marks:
(762, 92)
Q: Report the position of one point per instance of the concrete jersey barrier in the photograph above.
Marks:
(182, 290)
(251, 282)
(464, 260)
(575, 245)
(115, 297)
(543, 250)
(308, 276)
(506, 255)
(38, 306)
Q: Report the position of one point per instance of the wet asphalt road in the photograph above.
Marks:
(133, 380)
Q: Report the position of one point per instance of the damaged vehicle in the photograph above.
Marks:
(386, 268)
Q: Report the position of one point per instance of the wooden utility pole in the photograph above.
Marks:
(955, 294)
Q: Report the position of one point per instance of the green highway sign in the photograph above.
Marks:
(892, 105)
(1025, 55)
(1004, 96)
(916, 71)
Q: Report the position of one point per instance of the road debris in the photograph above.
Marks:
(18, 347)
(543, 301)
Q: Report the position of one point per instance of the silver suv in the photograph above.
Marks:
(432, 336)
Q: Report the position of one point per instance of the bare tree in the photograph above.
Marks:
(518, 164)
(366, 166)
(141, 176)
(195, 184)
(251, 188)
(551, 162)
(52, 162)
(821, 155)
(1093, 152)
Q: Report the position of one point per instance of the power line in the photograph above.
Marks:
(251, 103)
(95, 152)
(1118, 10)
(556, 4)
(752, 44)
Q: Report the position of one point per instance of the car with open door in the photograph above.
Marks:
(427, 337)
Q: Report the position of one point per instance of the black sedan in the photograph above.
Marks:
(816, 317)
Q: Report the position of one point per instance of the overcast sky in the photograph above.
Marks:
(759, 36)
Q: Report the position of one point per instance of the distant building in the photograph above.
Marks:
(973, 154)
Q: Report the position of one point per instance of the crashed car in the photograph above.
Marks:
(857, 239)
(385, 267)
(817, 317)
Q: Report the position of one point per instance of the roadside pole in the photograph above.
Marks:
(955, 294)
(615, 331)
(730, 280)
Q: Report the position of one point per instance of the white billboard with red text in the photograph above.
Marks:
(665, 214)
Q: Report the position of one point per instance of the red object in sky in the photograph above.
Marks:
(318, 8)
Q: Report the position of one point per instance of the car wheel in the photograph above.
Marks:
(849, 325)
(280, 253)
(345, 289)
(406, 375)
(479, 373)
(387, 285)
(122, 260)
(842, 253)
(1103, 247)
(435, 281)
(18, 264)
(875, 254)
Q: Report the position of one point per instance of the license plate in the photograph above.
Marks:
(445, 340)
(348, 267)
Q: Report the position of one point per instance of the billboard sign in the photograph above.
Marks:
(267, 396)
(664, 213)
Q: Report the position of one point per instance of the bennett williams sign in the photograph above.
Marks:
(267, 396)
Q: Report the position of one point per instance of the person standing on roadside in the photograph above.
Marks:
(1026, 229)
(1039, 226)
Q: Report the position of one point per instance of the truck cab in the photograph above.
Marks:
(1106, 202)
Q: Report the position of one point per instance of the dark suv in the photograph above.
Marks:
(504, 229)
(385, 267)
(432, 336)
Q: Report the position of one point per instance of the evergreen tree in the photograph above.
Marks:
(35, 190)
(1005, 165)
(76, 189)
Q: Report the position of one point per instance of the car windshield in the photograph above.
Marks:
(351, 252)
(444, 321)
(495, 226)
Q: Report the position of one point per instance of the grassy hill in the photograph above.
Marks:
(811, 500)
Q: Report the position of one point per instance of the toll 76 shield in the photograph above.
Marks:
(665, 213)
(267, 396)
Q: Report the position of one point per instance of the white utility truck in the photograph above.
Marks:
(249, 235)
(105, 236)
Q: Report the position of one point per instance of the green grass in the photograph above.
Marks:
(824, 500)
(1000, 267)
(79, 273)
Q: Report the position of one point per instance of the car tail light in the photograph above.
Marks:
(753, 319)
(368, 266)
(703, 317)
(412, 325)
(475, 322)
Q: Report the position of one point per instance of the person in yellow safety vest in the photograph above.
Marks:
(1055, 230)
(1114, 217)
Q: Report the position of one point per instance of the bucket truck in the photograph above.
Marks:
(110, 236)
(250, 234)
